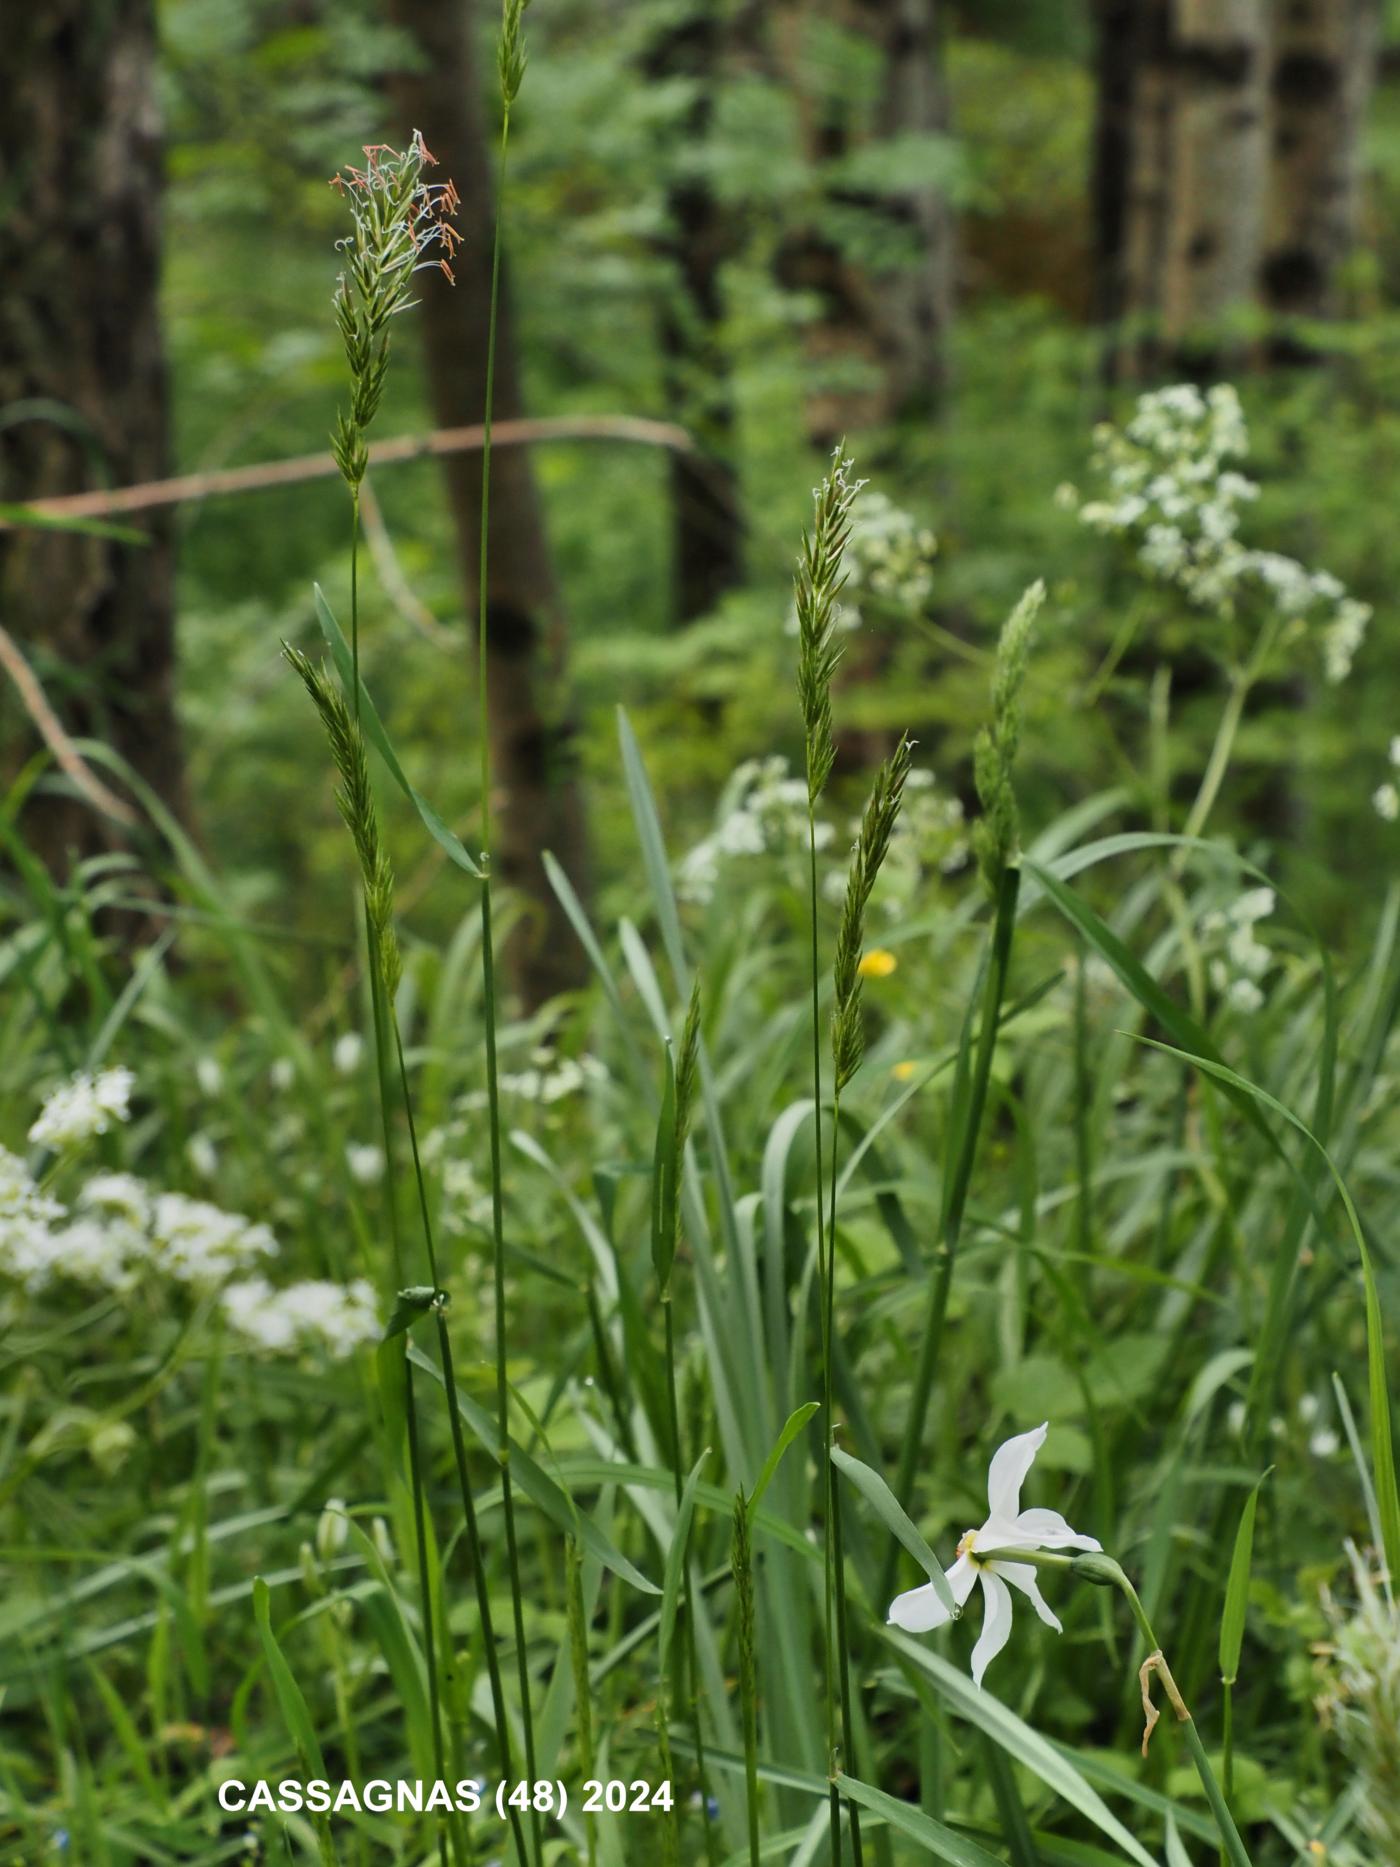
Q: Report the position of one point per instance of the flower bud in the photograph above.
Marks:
(332, 1529)
(1097, 1568)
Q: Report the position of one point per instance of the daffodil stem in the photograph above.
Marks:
(1104, 1571)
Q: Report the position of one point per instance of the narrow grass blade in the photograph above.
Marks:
(796, 1420)
(942, 1843)
(883, 1501)
(1382, 1444)
(1237, 1589)
(288, 1693)
(541, 1489)
(1019, 1740)
(373, 729)
(675, 1565)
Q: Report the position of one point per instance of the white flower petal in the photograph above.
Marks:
(1022, 1575)
(1047, 1529)
(1010, 1463)
(919, 1609)
(996, 1624)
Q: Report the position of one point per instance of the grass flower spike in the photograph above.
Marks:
(1007, 1527)
(401, 224)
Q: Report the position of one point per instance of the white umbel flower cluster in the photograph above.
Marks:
(762, 810)
(1243, 959)
(85, 1106)
(314, 1314)
(119, 1232)
(890, 554)
(548, 1077)
(1168, 486)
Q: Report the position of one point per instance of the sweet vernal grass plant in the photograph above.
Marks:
(816, 597)
(398, 220)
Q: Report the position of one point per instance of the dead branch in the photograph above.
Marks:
(113, 501)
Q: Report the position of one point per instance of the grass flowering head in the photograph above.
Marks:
(1007, 1527)
(996, 837)
(816, 593)
(850, 972)
(401, 224)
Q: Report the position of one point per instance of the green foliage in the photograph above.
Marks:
(1038, 1215)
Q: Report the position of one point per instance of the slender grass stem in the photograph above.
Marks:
(838, 1550)
(741, 1563)
(488, 961)
(823, 1279)
(449, 1382)
(687, 1598)
(355, 600)
(961, 1157)
(425, 1595)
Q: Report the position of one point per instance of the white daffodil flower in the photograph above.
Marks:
(1007, 1527)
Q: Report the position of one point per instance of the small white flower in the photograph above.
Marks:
(209, 1074)
(1007, 1527)
(283, 1073)
(1386, 799)
(1323, 1443)
(203, 1155)
(332, 1529)
(119, 1193)
(365, 1161)
(1309, 1407)
(85, 1106)
(1244, 995)
(349, 1049)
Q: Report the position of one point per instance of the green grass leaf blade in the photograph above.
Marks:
(1382, 1443)
(1019, 1740)
(288, 1693)
(942, 1843)
(373, 728)
(796, 1420)
(540, 1488)
(675, 1565)
(886, 1506)
(1237, 1588)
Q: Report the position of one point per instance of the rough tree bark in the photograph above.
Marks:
(1182, 158)
(532, 726)
(1322, 74)
(877, 345)
(83, 394)
(706, 528)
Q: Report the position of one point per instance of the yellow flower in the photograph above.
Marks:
(903, 1071)
(878, 963)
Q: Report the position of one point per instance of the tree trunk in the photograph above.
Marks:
(83, 392)
(877, 346)
(531, 722)
(707, 531)
(1322, 75)
(1185, 114)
